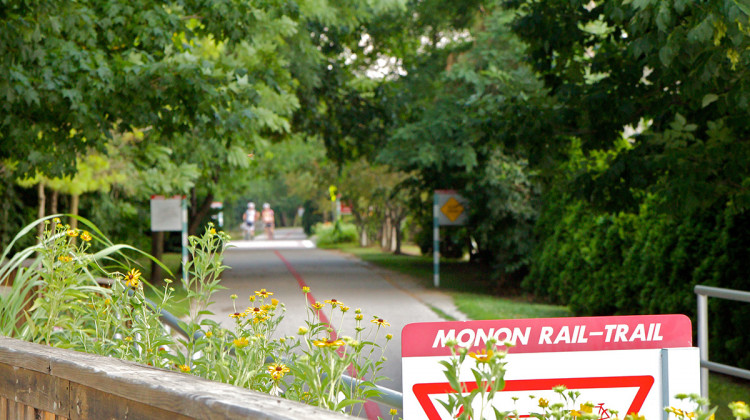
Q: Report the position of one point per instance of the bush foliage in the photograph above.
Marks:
(644, 262)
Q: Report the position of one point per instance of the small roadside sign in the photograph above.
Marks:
(166, 213)
(452, 208)
(631, 364)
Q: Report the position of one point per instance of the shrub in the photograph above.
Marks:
(335, 234)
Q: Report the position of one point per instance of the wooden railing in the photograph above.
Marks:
(40, 382)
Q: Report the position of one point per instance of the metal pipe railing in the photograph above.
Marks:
(704, 292)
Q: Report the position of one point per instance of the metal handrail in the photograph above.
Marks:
(389, 397)
(703, 293)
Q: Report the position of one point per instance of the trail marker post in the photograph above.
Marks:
(448, 209)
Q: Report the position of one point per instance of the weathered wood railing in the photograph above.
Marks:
(40, 382)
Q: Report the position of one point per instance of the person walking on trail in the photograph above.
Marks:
(268, 220)
(249, 217)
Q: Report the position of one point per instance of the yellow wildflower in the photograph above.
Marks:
(277, 371)
(274, 302)
(241, 342)
(587, 408)
(333, 302)
(389, 336)
(483, 356)
(72, 233)
(263, 293)
(65, 258)
(132, 278)
(317, 306)
(328, 343)
(344, 308)
(209, 334)
(85, 236)
(305, 289)
(184, 368)
(393, 412)
(543, 403)
(238, 315)
(380, 322)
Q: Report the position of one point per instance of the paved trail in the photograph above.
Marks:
(284, 265)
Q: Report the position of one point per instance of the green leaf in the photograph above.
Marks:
(709, 99)
(743, 5)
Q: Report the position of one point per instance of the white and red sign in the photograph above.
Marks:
(624, 363)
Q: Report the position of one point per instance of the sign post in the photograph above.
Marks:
(448, 209)
(631, 364)
(170, 215)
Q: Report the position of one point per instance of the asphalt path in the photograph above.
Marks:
(290, 261)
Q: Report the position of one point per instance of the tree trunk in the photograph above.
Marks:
(53, 204)
(74, 199)
(42, 205)
(157, 251)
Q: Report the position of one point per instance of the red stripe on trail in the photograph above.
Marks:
(371, 408)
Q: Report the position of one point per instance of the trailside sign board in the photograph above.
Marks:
(451, 208)
(166, 213)
(624, 363)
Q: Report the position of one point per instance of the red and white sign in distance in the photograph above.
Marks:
(615, 362)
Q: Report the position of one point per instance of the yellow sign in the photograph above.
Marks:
(452, 209)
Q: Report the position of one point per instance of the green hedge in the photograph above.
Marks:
(645, 263)
(335, 234)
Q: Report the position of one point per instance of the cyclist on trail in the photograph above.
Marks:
(268, 220)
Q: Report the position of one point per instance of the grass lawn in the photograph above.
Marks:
(477, 296)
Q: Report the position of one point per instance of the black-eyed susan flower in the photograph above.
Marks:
(56, 220)
(305, 289)
(277, 371)
(128, 339)
(209, 334)
(85, 236)
(263, 293)
(72, 233)
(238, 315)
(359, 317)
(318, 306)
(274, 302)
(328, 343)
(483, 356)
(543, 403)
(65, 258)
(575, 413)
(212, 231)
(393, 412)
(344, 308)
(184, 368)
(302, 331)
(241, 342)
(389, 336)
(233, 296)
(333, 302)
(255, 311)
(251, 298)
(132, 278)
(380, 322)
